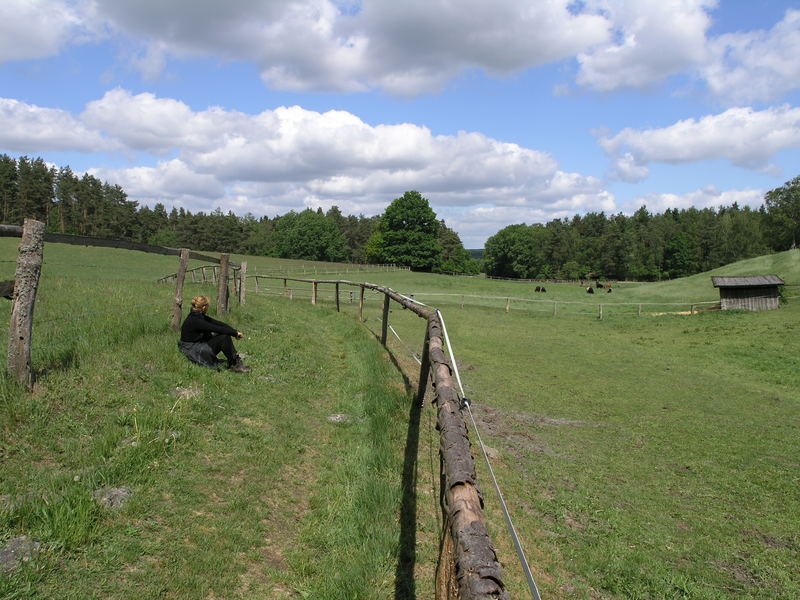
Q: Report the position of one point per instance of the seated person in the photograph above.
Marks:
(202, 338)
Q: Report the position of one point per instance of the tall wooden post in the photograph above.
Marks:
(177, 306)
(424, 368)
(337, 297)
(508, 304)
(192, 272)
(222, 285)
(203, 271)
(361, 305)
(242, 281)
(600, 312)
(29, 267)
(314, 293)
(385, 324)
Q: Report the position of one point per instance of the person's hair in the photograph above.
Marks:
(199, 302)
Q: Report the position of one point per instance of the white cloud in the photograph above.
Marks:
(757, 65)
(35, 28)
(289, 157)
(29, 128)
(404, 48)
(654, 40)
(745, 137)
(707, 197)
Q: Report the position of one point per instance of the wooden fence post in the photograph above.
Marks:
(600, 311)
(26, 282)
(177, 306)
(314, 293)
(193, 279)
(361, 305)
(508, 304)
(337, 297)
(555, 308)
(203, 271)
(385, 324)
(222, 285)
(242, 281)
(640, 311)
(351, 296)
(424, 368)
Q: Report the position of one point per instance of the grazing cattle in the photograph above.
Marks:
(538, 288)
(598, 285)
(590, 290)
(609, 291)
(543, 290)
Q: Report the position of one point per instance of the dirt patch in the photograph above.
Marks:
(496, 417)
(739, 572)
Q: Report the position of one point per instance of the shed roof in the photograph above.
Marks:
(750, 281)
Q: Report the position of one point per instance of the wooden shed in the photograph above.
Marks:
(756, 292)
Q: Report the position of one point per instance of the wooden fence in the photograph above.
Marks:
(468, 568)
(22, 290)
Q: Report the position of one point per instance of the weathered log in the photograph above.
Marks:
(177, 307)
(29, 267)
(222, 285)
(385, 321)
(242, 281)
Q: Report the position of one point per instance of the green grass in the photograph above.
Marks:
(241, 489)
(652, 457)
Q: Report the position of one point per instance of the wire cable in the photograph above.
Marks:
(512, 530)
(409, 350)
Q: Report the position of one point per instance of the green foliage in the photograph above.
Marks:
(309, 235)
(408, 234)
(641, 247)
(783, 209)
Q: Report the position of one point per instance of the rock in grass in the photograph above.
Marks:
(16, 551)
(186, 393)
(112, 497)
(339, 418)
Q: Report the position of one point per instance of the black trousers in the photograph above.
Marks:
(223, 343)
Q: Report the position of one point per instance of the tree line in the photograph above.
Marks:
(84, 205)
(643, 246)
(646, 246)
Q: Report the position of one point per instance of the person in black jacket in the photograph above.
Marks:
(202, 338)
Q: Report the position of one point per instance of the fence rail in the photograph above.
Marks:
(468, 566)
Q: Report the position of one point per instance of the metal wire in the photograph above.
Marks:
(408, 349)
(511, 529)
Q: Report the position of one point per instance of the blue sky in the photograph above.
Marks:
(498, 112)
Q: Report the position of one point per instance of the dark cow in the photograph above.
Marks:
(609, 291)
(590, 290)
(543, 290)
(538, 288)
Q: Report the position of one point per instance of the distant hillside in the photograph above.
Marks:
(698, 287)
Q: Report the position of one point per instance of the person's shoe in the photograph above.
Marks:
(240, 367)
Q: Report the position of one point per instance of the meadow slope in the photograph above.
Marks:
(642, 457)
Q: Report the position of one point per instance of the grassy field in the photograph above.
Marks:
(652, 457)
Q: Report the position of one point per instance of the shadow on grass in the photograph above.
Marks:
(404, 584)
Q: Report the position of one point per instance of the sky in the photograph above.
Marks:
(501, 112)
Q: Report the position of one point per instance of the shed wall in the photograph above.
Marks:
(754, 298)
